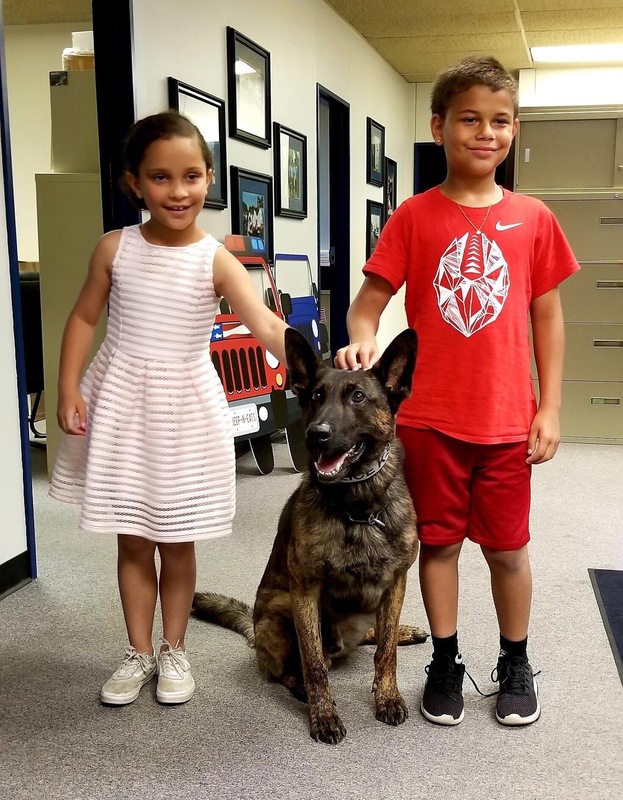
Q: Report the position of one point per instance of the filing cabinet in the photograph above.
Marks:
(583, 186)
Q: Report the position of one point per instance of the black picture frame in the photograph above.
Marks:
(374, 225)
(208, 114)
(375, 150)
(252, 208)
(290, 156)
(390, 185)
(248, 90)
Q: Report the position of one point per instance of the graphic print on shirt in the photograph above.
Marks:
(471, 283)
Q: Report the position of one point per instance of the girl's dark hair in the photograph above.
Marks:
(471, 71)
(146, 131)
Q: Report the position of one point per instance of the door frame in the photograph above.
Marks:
(23, 568)
(337, 281)
(112, 34)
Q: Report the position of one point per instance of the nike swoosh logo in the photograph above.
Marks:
(500, 227)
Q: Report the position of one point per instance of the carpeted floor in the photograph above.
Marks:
(608, 586)
(241, 738)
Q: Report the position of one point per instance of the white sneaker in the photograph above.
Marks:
(175, 682)
(125, 684)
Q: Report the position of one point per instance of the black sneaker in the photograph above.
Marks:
(442, 701)
(518, 701)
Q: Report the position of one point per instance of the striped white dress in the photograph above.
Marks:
(158, 457)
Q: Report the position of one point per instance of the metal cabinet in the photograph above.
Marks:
(573, 161)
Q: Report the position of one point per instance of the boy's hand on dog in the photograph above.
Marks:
(358, 355)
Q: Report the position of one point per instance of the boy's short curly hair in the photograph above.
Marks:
(148, 130)
(471, 71)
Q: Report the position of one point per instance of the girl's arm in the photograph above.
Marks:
(549, 345)
(79, 332)
(363, 323)
(232, 282)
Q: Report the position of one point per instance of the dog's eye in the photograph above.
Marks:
(358, 396)
(317, 395)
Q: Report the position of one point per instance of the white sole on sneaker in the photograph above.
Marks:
(514, 720)
(444, 719)
(171, 698)
(112, 699)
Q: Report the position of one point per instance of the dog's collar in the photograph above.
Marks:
(371, 471)
(372, 519)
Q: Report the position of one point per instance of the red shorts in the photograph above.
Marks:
(463, 490)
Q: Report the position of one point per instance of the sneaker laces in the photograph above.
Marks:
(173, 661)
(516, 675)
(448, 683)
(445, 681)
(131, 661)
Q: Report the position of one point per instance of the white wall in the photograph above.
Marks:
(32, 52)
(308, 44)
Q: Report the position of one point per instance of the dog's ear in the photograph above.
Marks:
(302, 364)
(394, 370)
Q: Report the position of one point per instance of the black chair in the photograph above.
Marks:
(33, 342)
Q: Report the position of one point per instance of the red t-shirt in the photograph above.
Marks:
(468, 297)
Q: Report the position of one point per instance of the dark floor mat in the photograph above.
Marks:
(608, 586)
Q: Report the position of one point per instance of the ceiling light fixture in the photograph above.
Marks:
(578, 54)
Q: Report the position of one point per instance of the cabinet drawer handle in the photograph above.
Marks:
(607, 342)
(605, 401)
(609, 284)
(611, 220)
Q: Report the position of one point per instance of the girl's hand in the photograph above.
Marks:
(72, 414)
(543, 438)
(359, 355)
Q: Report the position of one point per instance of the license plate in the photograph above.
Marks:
(245, 419)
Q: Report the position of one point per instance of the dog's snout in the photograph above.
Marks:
(319, 433)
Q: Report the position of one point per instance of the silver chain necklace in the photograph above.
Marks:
(478, 230)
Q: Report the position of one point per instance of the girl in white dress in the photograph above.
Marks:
(149, 450)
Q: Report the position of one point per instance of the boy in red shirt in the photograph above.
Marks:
(476, 259)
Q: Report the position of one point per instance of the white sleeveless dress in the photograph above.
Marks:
(158, 457)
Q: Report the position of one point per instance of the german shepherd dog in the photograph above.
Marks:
(337, 573)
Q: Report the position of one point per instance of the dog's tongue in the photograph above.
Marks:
(327, 464)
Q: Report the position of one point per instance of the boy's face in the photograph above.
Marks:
(477, 131)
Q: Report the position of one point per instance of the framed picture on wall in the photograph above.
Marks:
(252, 208)
(374, 223)
(389, 188)
(375, 160)
(290, 149)
(248, 90)
(208, 114)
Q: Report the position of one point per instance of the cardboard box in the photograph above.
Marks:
(73, 107)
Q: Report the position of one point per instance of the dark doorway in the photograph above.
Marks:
(333, 154)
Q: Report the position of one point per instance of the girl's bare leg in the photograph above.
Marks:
(138, 587)
(178, 572)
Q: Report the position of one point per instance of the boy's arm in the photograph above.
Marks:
(549, 344)
(363, 323)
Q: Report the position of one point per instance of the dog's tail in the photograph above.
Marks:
(226, 612)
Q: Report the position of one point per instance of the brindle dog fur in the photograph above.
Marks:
(337, 573)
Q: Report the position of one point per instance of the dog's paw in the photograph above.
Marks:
(410, 634)
(327, 728)
(391, 710)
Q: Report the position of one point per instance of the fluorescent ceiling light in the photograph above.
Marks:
(580, 53)
(242, 68)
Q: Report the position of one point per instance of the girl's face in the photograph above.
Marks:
(477, 131)
(173, 180)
